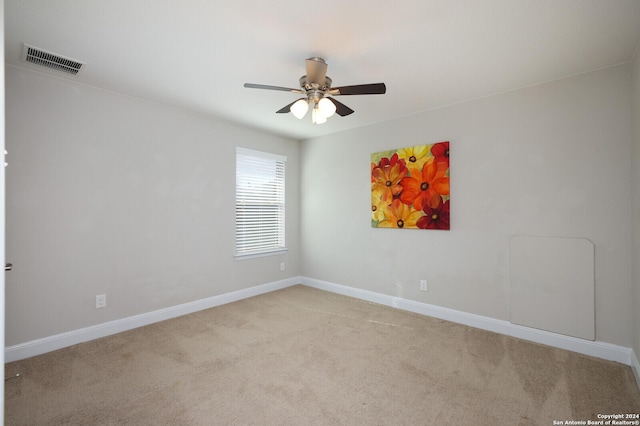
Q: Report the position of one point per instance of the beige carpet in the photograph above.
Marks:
(301, 356)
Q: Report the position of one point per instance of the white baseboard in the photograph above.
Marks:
(597, 349)
(62, 340)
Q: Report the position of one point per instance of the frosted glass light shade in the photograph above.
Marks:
(327, 107)
(299, 108)
(317, 117)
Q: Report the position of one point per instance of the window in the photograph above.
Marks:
(259, 203)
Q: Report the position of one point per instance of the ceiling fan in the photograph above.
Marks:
(318, 93)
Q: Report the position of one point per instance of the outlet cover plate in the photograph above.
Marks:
(101, 301)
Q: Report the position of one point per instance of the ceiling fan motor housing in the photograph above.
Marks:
(314, 90)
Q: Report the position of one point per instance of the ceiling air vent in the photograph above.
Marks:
(50, 60)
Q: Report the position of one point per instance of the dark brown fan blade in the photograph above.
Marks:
(360, 89)
(341, 109)
(287, 108)
(316, 70)
(264, 86)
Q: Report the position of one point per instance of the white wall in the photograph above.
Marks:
(110, 194)
(548, 160)
(635, 185)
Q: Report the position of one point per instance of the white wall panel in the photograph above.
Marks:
(552, 284)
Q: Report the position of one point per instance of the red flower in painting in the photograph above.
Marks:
(440, 151)
(395, 160)
(436, 215)
(422, 185)
(386, 177)
(384, 161)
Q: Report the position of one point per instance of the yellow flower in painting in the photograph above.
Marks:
(385, 180)
(378, 206)
(415, 156)
(399, 215)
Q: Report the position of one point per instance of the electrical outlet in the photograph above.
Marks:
(282, 266)
(101, 301)
(423, 285)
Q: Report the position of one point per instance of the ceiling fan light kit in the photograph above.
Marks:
(326, 107)
(300, 108)
(316, 88)
(317, 117)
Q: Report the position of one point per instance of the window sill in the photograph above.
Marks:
(261, 254)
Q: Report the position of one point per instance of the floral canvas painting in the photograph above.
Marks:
(410, 187)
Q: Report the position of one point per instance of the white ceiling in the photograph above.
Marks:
(196, 54)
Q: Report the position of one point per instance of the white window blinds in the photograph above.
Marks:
(259, 202)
